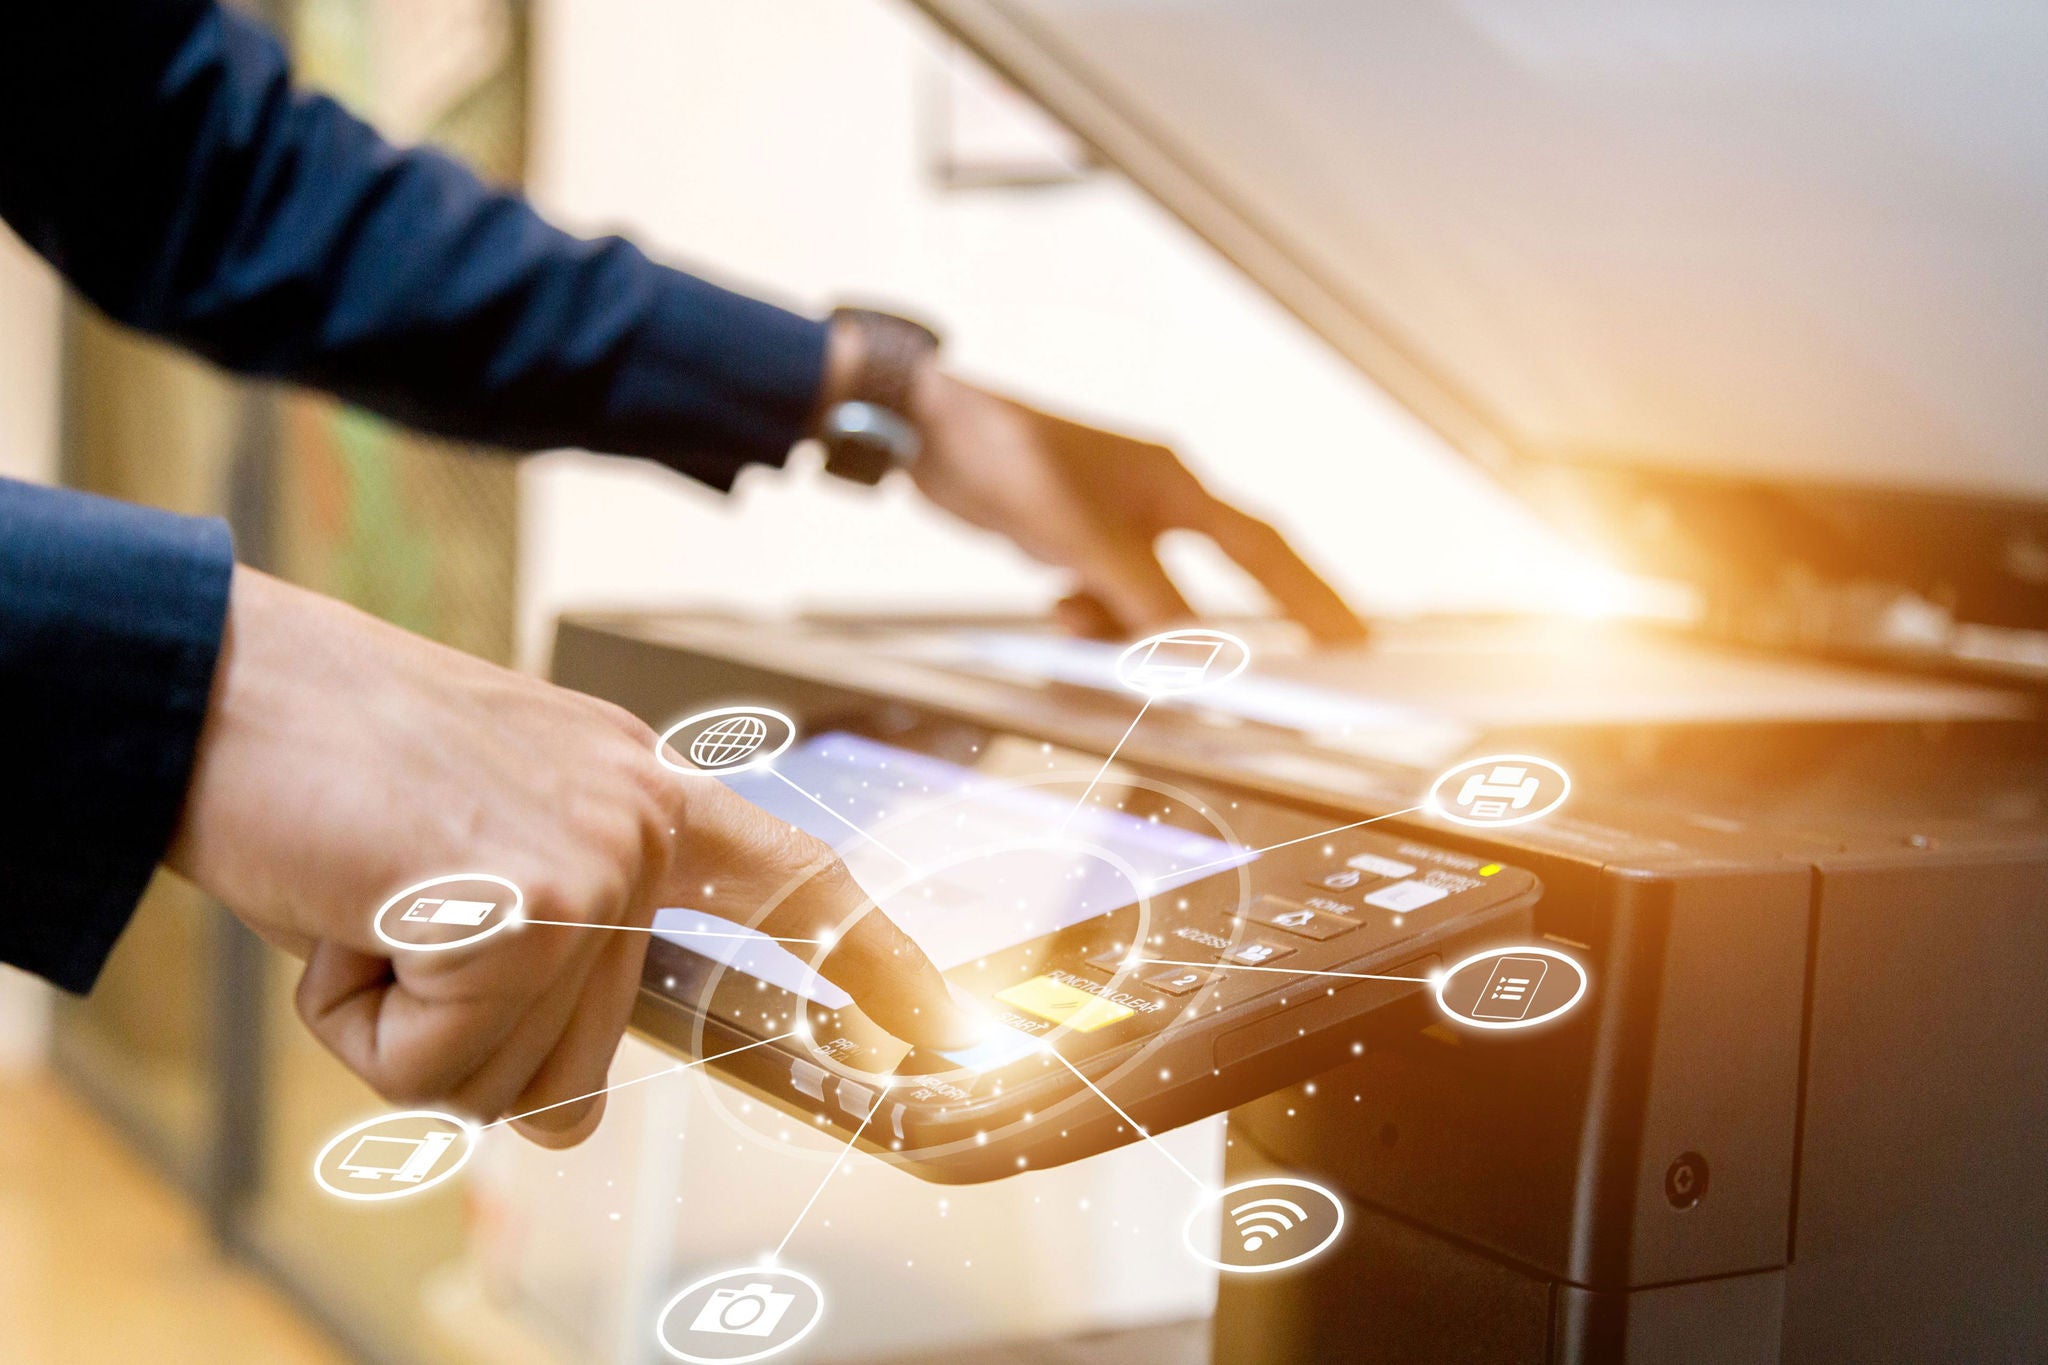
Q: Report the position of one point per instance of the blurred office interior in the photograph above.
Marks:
(815, 151)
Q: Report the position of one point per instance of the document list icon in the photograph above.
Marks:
(1511, 989)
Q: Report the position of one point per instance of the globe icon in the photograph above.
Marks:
(731, 741)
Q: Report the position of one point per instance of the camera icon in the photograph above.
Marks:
(753, 1310)
(747, 1313)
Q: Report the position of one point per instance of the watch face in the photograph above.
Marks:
(857, 458)
(864, 441)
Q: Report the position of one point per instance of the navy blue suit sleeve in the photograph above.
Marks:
(110, 625)
(159, 156)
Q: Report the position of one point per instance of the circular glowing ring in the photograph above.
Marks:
(762, 756)
(1444, 981)
(1187, 1234)
(669, 1308)
(715, 1091)
(1436, 807)
(813, 970)
(469, 1135)
(1244, 658)
(510, 917)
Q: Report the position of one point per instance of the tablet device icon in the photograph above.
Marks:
(1173, 665)
(1510, 988)
(1176, 662)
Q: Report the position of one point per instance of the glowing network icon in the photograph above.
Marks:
(1281, 1221)
(730, 739)
(394, 1156)
(740, 1315)
(458, 910)
(1511, 988)
(1499, 790)
(1260, 1221)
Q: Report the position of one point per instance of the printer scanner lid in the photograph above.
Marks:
(1756, 292)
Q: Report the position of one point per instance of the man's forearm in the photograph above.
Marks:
(194, 193)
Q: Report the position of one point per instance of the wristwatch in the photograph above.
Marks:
(870, 431)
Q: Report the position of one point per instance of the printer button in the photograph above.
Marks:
(1301, 920)
(1403, 897)
(1111, 960)
(807, 1078)
(1375, 865)
(856, 1099)
(1058, 1003)
(1255, 953)
(1177, 980)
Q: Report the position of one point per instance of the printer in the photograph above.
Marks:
(1752, 296)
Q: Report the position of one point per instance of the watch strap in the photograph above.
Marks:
(893, 350)
(869, 431)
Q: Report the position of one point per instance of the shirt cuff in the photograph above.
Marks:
(716, 380)
(111, 618)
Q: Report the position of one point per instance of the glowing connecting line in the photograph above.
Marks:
(1089, 790)
(637, 1080)
(1279, 1221)
(1289, 843)
(1136, 1127)
(837, 1162)
(843, 820)
(1170, 664)
(673, 933)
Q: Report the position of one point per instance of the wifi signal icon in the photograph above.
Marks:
(1269, 1223)
(1260, 1221)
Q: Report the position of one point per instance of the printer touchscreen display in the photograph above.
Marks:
(998, 862)
(1120, 927)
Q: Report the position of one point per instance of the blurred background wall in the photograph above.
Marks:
(30, 297)
(30, 308)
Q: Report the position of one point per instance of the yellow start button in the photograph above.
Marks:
(1063, 1004)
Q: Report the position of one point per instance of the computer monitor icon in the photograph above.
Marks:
(1176, 663)
(401, 1161)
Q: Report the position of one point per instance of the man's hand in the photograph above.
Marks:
(343, 759)
(1097, 503)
